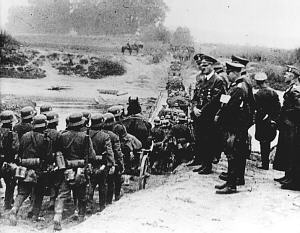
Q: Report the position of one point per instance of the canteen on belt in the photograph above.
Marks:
(75, 163)
(30, 162)
(60, 161)
(21, 172)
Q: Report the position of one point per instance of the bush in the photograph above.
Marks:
(105, 68)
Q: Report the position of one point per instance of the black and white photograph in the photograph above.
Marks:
(149, 116)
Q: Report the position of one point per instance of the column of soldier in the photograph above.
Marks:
(224, 107)
(36, 156)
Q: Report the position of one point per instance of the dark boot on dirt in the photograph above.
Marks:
(206, 170)
(13, 219)
(227, 190)
(280, 179)
(221, 186)
(57, 226)
(223, 176)
(240, 181)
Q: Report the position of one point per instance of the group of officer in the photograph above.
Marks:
(37, 157)
(223, 109)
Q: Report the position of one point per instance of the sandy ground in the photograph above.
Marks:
(186, 202)
(181, 202)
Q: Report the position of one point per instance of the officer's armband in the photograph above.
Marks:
(225, 98)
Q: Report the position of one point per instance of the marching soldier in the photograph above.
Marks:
(235, 118)
(205, 105)
(35, 154)
(114, 181)
(27, 113)
(53, 119)
(77, 149)
(267, 112)
(104, 163)
(287, 157)
(9, 147)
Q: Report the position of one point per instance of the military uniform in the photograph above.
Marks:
(9, 146)
(235, 118)
(114, 181)
(25, 125)
(267, 112)
(76, 146)
(183, 139)
(287, 154)
(207, 135)
(103, 148)
(36, 154)
(158, 156)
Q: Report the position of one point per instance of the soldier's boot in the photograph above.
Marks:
(231, 183)
(221, 186)
(206, 170)
(224, 175)
(57, 222)
(9, 193)
(110, 189)
(241, 172)
(227, 190)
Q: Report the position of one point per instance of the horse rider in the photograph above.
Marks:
(267, 106)
(205, 104)
(9, 147)
(235, 118)
(77, 149)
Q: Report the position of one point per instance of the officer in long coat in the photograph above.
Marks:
(205, 104)
(35, 153)
(77, 149)
(105, 162)
(235, 118)
(267, 112)
(287, 154)
(9, 147)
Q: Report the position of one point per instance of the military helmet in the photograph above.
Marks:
(76, 119)
(97, 120)
(52, 117)
(46, 108)
(109, 117)
(7, 116)
(157, 121)
(182, 116)
(39, 121)
(27, 112)
(116, 110)
(120, 130)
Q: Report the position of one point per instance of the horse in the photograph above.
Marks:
(136, 124)
(134, 47)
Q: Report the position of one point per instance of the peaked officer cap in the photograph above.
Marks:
(240, 60)
(231, 66)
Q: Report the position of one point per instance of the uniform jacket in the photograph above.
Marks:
(73, 145)
(206, 96)
(7, 148)
(116, 147)
(22, 128)
(180, 131)
(267, 107)
(236, 114)
(36, 145)
(102, 146)
(54, 135)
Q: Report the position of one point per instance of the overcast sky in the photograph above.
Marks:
(272, 23)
